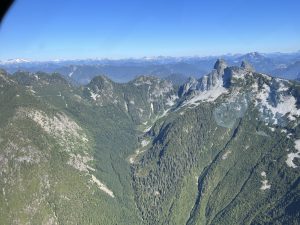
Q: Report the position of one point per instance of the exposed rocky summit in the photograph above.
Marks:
(247, 66)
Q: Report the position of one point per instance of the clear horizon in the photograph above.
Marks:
(49, 30)
(144, 57)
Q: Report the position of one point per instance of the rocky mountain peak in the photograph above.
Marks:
(191, 84)
(212, 82)
(246, 66)
(220, 65)
(146, 80)
(252, 57)
(142, 130)
(101, 82)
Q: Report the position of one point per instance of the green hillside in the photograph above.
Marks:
(223, 149)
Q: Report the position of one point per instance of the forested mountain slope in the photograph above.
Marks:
(223, 149)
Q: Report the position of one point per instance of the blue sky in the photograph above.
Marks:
(70, 29)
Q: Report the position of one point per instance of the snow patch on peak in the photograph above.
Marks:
(94, 96)
(263, 174)
(282, 86)
(265, 184)
(171, 100)
(272, 129)
(286, 104)
(292, 156)
(205, 96)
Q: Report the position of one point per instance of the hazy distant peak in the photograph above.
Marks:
(253, 56)
(14, 61)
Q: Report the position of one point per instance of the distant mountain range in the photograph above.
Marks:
(284, 65)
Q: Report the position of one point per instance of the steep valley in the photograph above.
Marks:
(223, 149)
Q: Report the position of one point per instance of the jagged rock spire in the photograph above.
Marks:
(220, 65)
(247, 66)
